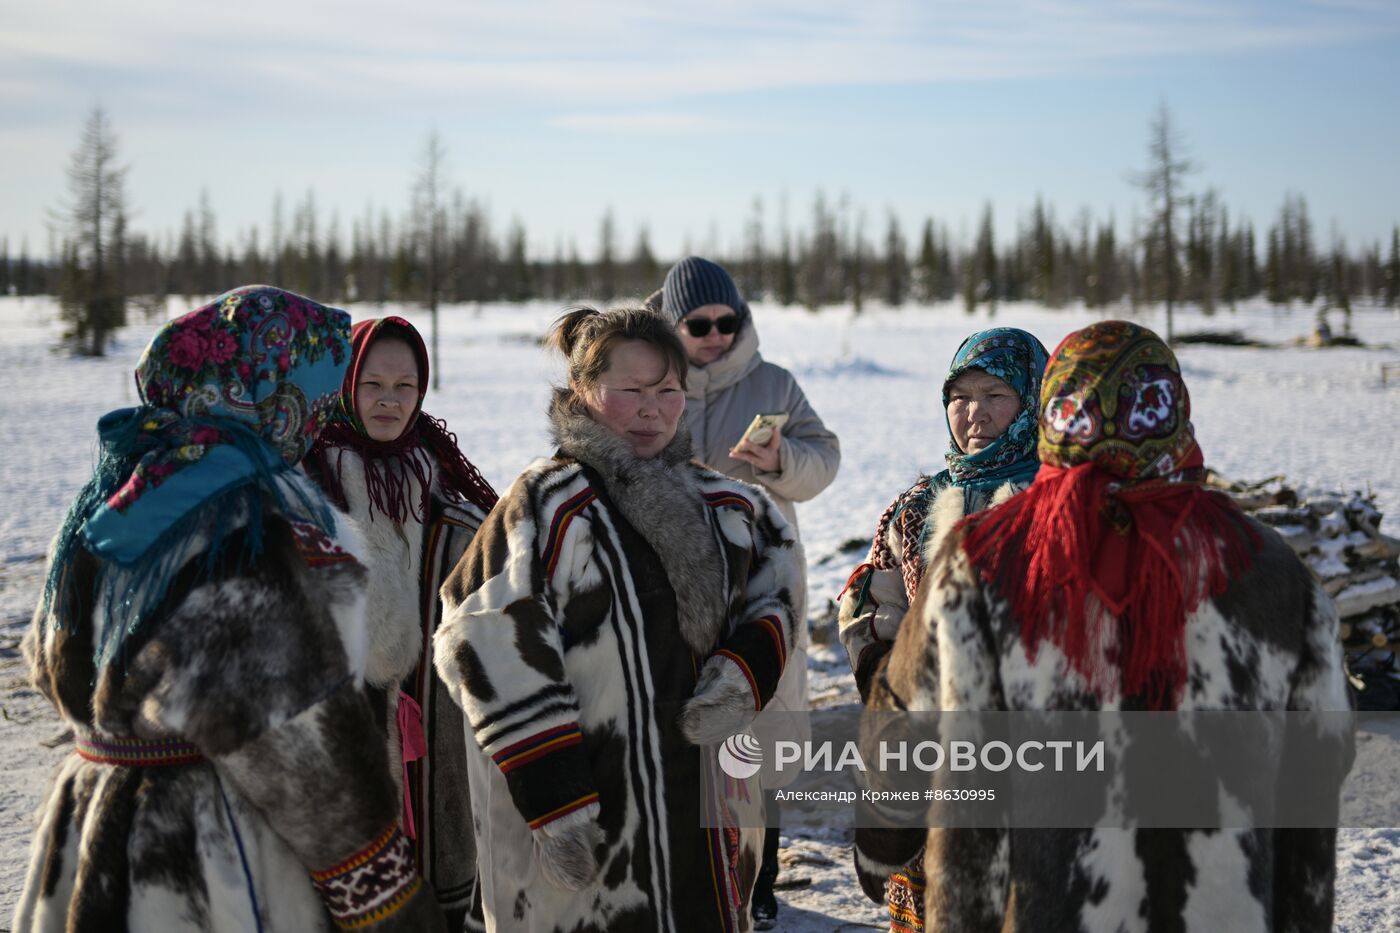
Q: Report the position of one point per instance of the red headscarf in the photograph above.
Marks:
(1117, 510)
(389, 489)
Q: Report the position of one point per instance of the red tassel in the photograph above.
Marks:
(1149, 552)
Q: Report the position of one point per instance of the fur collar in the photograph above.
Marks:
(949, 507)
(661, 499)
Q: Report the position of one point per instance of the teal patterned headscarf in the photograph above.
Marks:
(1018, 359)
(233, 395)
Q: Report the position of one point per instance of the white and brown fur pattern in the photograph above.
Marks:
(1269, 642)
(261, 671)
(595, 594)
(406, 564)
(393, 558)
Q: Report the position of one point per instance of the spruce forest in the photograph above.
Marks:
(443, 246)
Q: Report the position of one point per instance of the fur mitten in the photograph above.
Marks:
(722, 704)
(565, 849)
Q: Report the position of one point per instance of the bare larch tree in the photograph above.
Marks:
(1163, 181)
(430, 231)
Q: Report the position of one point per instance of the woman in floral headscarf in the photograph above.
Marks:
(991, 398)
(202, 632)
(1117, 581)
(418, 501)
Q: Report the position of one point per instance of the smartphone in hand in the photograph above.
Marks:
(760, 429)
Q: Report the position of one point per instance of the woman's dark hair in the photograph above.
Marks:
(586, 337)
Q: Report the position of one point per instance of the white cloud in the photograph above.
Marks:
(645, 124)
(621, 52)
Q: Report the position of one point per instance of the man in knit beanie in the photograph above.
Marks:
(728, 383)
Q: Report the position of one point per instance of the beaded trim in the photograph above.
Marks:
(126, 752)
(372, 884)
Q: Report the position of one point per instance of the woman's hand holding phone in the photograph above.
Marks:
(758, 450)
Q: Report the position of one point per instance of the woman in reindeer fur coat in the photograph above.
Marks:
(417, 502)
(991, 400)
(622, 608)
(1117, 581)
(202, 632)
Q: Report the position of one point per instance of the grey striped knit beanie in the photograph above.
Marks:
(693, 283)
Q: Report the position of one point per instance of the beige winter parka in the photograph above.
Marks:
(722, 398)
(720, 401)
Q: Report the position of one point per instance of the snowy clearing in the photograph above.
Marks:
(1319, 416)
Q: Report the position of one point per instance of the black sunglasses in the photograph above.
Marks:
(700, 326)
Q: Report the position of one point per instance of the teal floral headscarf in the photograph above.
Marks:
(233, 395)
(1018, 359)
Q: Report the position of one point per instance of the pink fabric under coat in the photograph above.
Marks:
(415, 746)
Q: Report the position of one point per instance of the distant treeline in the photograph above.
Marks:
(833, 260)
(446, 249)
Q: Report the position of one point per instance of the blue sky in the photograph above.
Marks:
(678, 116)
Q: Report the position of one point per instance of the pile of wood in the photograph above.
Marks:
(1339, 536)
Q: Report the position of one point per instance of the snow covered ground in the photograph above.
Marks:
(1321, 417)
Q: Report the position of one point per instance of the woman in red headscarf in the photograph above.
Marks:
(1117, 581)
(399, 473)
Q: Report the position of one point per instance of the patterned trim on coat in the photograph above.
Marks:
(548, 774)
(760, 652)
(564, 811)
(723, 845)
(748, 675)
(317, 549)
(125, 752)
(371, 885)
(716, 500)
(775, 632)
(559, 526)
(904, 893)
(537, 746)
